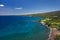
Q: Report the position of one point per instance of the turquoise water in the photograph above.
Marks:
(22, 28)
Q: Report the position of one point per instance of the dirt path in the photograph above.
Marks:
(51, 36)
(53, 33)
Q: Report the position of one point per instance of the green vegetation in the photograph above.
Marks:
(57, 37)
(52, 19)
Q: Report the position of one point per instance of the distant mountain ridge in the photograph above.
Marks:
(53, 13)
(48, 14)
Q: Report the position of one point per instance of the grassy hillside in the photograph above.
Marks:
(51, 18)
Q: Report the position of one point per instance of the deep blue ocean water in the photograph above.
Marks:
(22, 28)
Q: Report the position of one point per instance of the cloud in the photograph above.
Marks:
(19, 8)
(1, 5)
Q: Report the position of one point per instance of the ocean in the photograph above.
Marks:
(22, 28)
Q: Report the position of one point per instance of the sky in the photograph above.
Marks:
(14, 7)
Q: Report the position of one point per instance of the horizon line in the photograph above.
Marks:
(27, 13)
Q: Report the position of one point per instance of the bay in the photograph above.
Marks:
(22, 28)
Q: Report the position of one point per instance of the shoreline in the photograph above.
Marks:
(50, 33)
